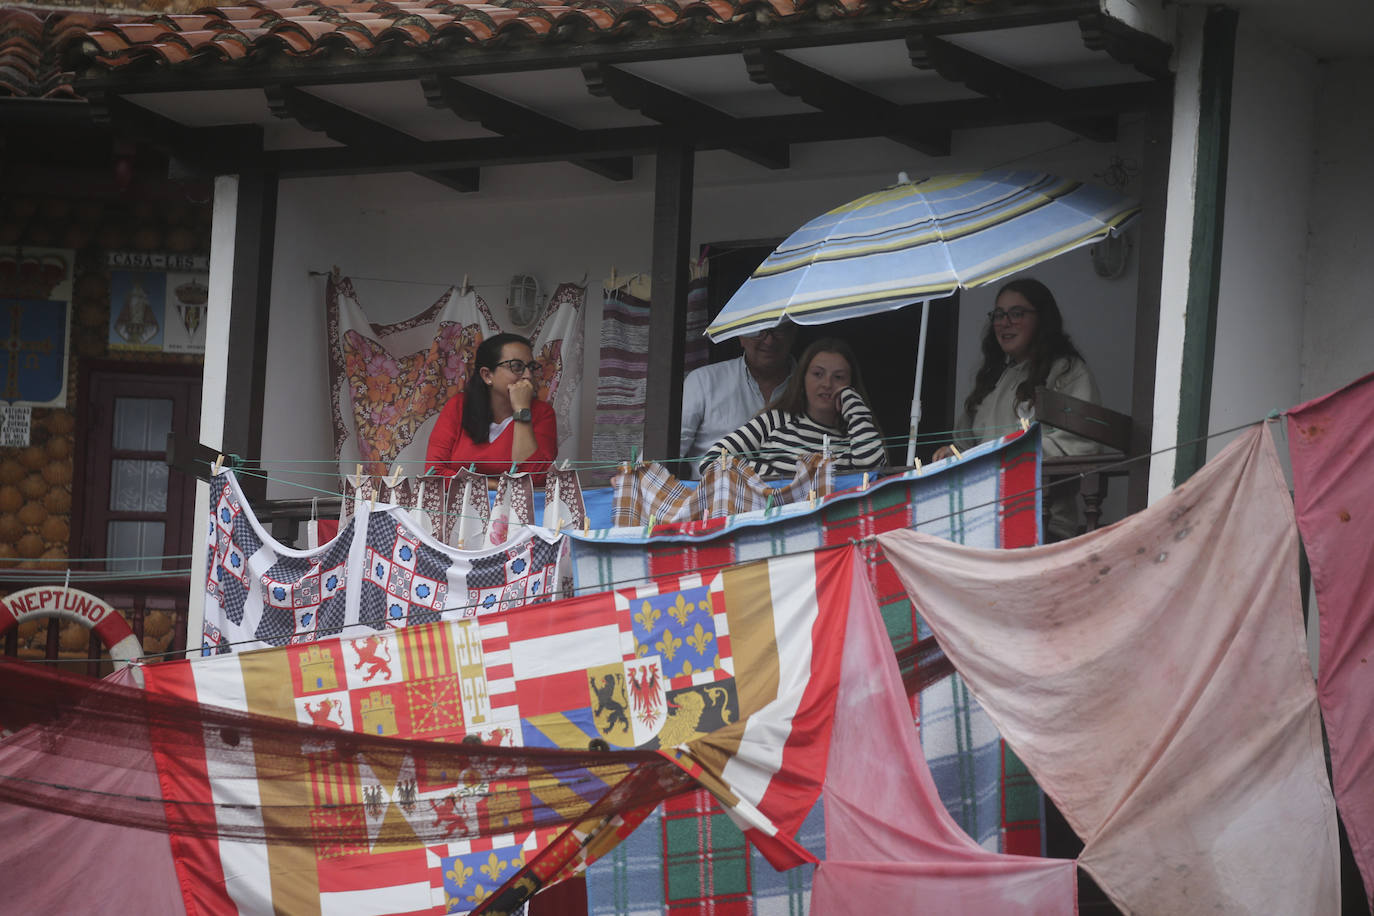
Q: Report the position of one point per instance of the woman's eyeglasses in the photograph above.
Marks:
(1014, 315)
(518, 366)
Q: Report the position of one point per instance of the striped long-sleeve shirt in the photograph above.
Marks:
(772, 441)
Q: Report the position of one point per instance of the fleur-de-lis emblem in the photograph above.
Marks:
(494, 867)
(647, 617)
(668, 645)
(641, 650)
(479, 893)
(699, 639)
(687, 669)
(682, 610)
(459, 873)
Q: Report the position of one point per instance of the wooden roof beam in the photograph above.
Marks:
(678, 111)
(603, 143)
(509, 119)
(1005, 84)
(1146, 53)
(825, 92)
(353, 130)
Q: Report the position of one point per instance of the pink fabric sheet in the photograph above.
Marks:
(55, 863)
(1331, 444)
(1152, 676)
(890, 844)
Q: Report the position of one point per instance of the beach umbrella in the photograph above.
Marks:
(916, 241)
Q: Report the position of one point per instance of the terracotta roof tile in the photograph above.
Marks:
(32, 50)
(306, 28)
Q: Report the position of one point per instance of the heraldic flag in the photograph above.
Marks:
(426, 766)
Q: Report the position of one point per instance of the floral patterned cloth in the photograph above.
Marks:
(388, 382)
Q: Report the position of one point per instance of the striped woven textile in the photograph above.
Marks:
(625, 359)
(624, 371)
(649, 493)
(989, 499)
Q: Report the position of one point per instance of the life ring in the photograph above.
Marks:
(73, 604)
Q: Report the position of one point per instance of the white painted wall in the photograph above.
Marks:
(560, 223)
(1264, 248)
(1338, 325)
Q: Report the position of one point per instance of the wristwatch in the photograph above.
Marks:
(522, 415)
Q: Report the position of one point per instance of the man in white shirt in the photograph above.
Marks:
(719, 398)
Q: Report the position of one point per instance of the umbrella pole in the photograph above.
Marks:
(916, 392)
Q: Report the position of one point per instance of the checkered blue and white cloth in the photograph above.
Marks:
(381, 571)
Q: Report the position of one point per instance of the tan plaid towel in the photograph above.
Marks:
(727, 487)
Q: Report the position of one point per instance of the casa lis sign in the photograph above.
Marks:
(76, 605)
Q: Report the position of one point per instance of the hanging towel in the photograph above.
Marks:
(1330, 441)
(1152, 676)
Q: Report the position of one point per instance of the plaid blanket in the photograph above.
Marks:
(988, 499)
(649, 493)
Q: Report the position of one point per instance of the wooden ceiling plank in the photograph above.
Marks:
(826, 93)
(510, 119)
(1005, 84)
(679, 112)
(355, 130)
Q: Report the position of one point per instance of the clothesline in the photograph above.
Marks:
(45, 577)
(579, 464)
(640, 580)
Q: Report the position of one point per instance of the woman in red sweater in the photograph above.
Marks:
(497, 421)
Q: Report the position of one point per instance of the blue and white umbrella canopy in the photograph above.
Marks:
(917, 241)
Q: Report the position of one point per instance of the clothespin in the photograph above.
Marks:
(825, 446)
(358, 477)
(768, 503)
(811, 497)
(217, 466)
(513, 471)
(864, 485)
(918, 463)
(649, 528)
(586, 525)
(467, 287)
(634, 456)
(957, 454)
(1025, 424)
(395, 477)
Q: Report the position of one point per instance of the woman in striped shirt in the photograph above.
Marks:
(824, 397)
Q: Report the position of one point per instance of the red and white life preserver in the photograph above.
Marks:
(73, 604)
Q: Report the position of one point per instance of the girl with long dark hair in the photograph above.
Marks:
(1025, 347)
(498, 421)
(824, 397)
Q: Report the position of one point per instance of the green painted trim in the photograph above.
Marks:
(1204, 261)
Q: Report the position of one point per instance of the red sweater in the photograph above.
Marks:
(450, 447)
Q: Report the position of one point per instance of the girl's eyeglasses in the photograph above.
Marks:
(518, 366)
